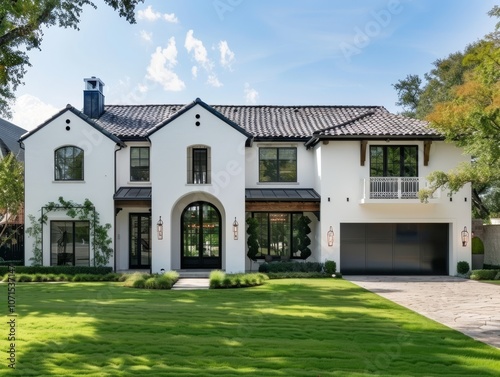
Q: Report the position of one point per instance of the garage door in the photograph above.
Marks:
(396, 249)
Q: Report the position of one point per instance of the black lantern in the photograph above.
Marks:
(329, 237)
(465, 237)
(159, 229)
(235, 229)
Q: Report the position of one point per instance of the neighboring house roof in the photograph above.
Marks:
(271, 122)
(81, 115)
(9, 135)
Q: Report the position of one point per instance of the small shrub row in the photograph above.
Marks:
(484, 274)
(29, 278)
(297, 275)
(291, 267)
(491, 267)
(67, 270)
(219, 279)
(147, 281)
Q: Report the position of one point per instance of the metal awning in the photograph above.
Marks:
(133, 193)
(281, 195)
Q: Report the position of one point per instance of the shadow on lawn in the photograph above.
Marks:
(284, 328)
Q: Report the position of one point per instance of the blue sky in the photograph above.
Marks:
(263, 52)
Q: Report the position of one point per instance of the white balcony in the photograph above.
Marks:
(394, 190)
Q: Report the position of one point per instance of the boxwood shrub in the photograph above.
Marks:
(484, 274)
(291, 267)
(219, 279)
(67, 270)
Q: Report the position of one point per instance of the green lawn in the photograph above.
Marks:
(291, 327)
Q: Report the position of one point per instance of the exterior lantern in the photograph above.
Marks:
(465, 237)
(159, 229)
(329, 236)
(235, 229)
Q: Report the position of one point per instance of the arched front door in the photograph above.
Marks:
(201, 236)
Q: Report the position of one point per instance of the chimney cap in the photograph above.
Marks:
(93, 83)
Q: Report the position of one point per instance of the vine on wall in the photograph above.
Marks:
(83, 212)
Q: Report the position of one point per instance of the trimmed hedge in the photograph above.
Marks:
(291, 267)
(219, 279)
(297, 275)
(66, 270)
(147, 281)
(490, 267)
(484, 274)
(62, 277)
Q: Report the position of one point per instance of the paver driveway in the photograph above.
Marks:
(468, 306)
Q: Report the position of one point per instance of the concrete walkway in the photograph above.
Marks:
(192, 283)
(468, 306)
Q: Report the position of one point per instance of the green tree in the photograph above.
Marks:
(471, 119)
(11, 196)
(21, 29)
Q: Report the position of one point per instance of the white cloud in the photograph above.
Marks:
(29, 112)
(214, 81)
(251, 95)
(195, 47)
(161, 66)
(226, 55)
(199, 51)
(149, 14)
(148, 37)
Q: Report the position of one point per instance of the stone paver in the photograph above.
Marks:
(192, 283)
(468, 306)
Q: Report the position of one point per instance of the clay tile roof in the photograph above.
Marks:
(274, 122)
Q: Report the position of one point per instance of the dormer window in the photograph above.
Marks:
(68, 164)
(198, 161)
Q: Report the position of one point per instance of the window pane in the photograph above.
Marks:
(287, 165)
(200, 166)
(279, 234)
(68, 164)
(69, 243)
(278, 164)
(410, 167)
(139, 163)
(376, 161)
(393, 162)
(262, 233)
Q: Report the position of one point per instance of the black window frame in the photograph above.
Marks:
(294, 217)
(140, 169)
(61, 163)
(62, 259)
(385, 163)
(200, 168)
(278, 173)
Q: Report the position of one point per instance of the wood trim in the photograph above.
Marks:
(427, 151)
(282, 206)
(363, 144)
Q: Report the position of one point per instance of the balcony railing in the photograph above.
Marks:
(404, 188)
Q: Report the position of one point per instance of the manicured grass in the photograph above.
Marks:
(490, 281)
(290, 327)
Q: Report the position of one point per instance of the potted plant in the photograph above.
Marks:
(303, 239)
(477, 253)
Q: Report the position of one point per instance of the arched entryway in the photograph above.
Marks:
(201, 236)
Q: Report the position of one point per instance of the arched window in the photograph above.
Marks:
(68, 164)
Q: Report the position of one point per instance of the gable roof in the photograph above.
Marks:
(9, 135)
(82, 116)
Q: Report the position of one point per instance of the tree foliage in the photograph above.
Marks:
(461, 100)
(21, 29)
(11, 195)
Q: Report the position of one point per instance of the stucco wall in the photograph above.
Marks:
(490, 235)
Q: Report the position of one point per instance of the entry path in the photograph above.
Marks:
(468, 306)
(192, 283)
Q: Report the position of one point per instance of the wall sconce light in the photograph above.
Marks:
(159, 229)
(465, 237)
(235, 229)
(329, 236)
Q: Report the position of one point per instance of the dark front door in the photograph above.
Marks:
(140, 240)
(201, 236)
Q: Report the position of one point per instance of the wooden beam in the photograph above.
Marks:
(427, 151)
(363, 152)
(282, 206)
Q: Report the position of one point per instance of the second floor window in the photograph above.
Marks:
(139, 164)
(278, 164)
(393, 161)
(200, 166)
(68, 164)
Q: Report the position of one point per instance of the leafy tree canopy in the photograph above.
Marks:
(11, 194)
(21, 29)
(469, 116)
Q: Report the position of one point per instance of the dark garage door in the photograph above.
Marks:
(397, 249)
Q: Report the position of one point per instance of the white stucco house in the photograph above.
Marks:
(199, 169)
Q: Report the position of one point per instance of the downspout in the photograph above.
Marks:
(21, 145)
(114, 210)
